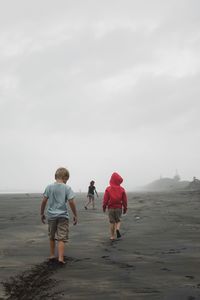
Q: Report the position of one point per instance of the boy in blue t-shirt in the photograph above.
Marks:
(57, 195)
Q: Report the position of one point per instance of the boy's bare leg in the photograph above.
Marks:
(61, 250)
(117, 225)
(93, 203)
(52, 249)
(112, 231)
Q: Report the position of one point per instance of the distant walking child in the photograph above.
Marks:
(90, 194)
(58, 194)
(115, 200)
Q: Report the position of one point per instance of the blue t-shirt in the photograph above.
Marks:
(58, 194)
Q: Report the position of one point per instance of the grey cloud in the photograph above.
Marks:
(117, 80)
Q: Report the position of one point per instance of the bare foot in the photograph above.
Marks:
(52, 257)
(61, 262)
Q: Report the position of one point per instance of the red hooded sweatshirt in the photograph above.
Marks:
(115, 195)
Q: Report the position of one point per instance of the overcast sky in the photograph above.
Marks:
(98, 87)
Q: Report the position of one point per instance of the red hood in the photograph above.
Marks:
(116, 179)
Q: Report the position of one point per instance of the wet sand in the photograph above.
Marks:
(158, 256)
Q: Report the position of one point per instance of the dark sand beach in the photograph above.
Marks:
(157, 258)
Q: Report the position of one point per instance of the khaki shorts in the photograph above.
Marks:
(59, 229)
(114, 215)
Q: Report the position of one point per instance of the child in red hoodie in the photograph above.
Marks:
(115, 200)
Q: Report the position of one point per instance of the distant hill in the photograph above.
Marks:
(195, 184)
(171, 184)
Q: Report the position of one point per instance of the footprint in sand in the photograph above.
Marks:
(119, 264)
(120, 250)
(171, 251)
(165, 269)
(107, 250)
(189, 276)
(105, 256)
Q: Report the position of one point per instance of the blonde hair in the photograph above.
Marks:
(62, 173)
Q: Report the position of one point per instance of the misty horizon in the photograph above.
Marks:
(85, 189)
